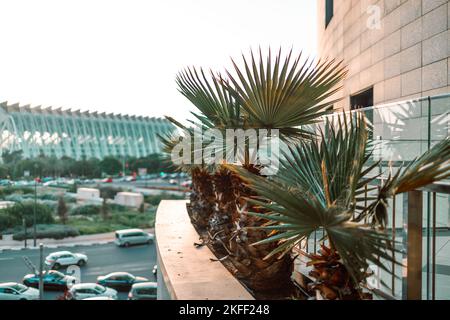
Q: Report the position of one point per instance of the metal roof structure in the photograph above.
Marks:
(76, 134)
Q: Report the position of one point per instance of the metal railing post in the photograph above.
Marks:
(412, 242)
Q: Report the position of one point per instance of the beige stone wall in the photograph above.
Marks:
(407, 57)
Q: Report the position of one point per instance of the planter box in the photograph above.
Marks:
(184, 270)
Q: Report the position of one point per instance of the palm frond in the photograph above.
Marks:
(337, 156)
(297, 214)
(287, 94)
(432, 166)
(216, 105)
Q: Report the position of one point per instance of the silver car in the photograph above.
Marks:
(65, 258)
(17, 291)
(143, 291)
(127, 237)
(90, 290)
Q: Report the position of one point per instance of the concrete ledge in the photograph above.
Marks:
(186, 272)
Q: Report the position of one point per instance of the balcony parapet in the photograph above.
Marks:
(185, 271)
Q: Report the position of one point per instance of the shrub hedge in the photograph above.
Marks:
(85, 210)
(155, 199)
(52, 231)
(12, 216)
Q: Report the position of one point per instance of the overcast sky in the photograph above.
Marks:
(122, 56)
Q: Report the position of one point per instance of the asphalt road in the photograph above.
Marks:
(103, 259)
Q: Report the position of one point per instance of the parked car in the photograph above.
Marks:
(127, 237)
(17, 291)
(24, 183)
(173, 181)
(5, 182)
(155, 270)
(58, 259)
(120, 280)
(143, 291)
(52, 280)
(107, 180)
(187, 183)
(82, 291)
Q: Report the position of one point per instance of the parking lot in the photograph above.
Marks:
(103, 259)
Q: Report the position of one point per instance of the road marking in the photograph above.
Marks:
(4, 259)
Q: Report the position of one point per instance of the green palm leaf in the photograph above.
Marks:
(298, 214)
(287, 94)
(330, 165)
(216, 105)
(432, 166)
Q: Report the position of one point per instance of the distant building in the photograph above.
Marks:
(129, 199)
(57, 132)
(394, 49)
(88, 196)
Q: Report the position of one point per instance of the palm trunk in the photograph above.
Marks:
(202, 197)
(266, 278)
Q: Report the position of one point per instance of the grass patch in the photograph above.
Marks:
(117, 220)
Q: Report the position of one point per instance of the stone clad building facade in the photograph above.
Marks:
(394, 49)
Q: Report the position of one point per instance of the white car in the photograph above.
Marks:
(99, 298)
(82, 291)
(17, 291)
(50, 183)
(143, 291)
(65, 258)
(127, 237)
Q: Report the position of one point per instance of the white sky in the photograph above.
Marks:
(122, 56)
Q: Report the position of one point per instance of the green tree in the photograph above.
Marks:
(104, 210)
(92, 168)
(61, 210)
(25, 210)
(10, 160)
(4, 171)
(154, 163)
(110, 165)
(11, 157)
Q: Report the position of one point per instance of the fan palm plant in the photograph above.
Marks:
(319, 187)
(202, 195)
(284, 94)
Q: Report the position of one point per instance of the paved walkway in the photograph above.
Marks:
(100, 238)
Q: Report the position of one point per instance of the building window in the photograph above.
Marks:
(362, 99)
(329, 10)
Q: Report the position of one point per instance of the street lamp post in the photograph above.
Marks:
(25, 231)
(34, 209)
